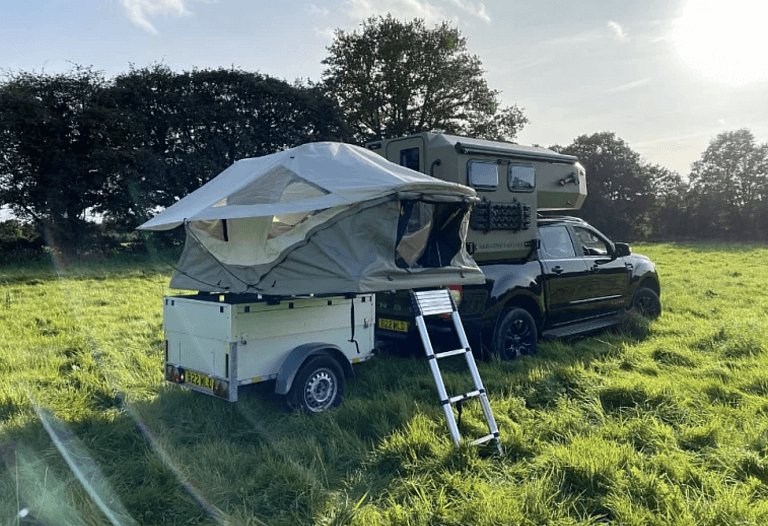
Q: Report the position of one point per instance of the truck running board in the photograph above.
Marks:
(440, 302)
(583, 327)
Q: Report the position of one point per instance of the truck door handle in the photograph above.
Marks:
(557, 270)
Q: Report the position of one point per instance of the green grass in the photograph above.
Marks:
(654, 424)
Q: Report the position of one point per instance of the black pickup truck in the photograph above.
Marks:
(579, 282)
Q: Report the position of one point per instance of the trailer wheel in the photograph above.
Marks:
(319, 385)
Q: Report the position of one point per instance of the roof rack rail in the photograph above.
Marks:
(539, 215)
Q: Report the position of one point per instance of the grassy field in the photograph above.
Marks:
(658, 423)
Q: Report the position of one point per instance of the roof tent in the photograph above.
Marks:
(321, 218)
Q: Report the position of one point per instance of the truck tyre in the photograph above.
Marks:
(319, 385)
(515, 334)
(647, 303)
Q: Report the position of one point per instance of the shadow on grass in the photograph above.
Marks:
(185, 458)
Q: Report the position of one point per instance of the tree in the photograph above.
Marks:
(668, 213)
(730, 186)
(617, 184)
(396, 78)
(182, 129)
(53, 128)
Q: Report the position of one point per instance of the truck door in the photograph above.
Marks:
(407, 152)
(565, 274)
(608, 282)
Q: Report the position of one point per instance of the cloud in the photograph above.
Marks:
(140, 11)
(318, 11)
(325, 33)
(578, 38)
(400, 9)
(629, 85)
(477, 10)
(432, 13)
(618, 32)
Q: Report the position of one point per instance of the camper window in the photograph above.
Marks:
(410, 158)
(483, 175)
(521, 178)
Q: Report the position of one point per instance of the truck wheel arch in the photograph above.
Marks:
(299, 355)
(524, 302)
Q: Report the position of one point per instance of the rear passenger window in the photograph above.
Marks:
(556, 242)
(483, 175)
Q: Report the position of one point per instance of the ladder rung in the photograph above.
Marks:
(433, 302)
(430, 294)
(435, 311)
(483, 440)
(446, 354)
(465, 396)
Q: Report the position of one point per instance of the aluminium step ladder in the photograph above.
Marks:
(437, 302)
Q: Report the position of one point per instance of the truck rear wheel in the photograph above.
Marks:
(319, 385)
(515, 334)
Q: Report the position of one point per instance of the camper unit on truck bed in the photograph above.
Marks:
(513, 181)
(544, 276)
(215, 343)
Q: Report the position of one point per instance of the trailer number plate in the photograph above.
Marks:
(393, 325)
(199, 379)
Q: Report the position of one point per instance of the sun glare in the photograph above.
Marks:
(724, 40)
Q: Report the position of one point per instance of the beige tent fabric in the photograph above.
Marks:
(321, 218)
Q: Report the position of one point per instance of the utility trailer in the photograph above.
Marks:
(286, 252)
(215, 343)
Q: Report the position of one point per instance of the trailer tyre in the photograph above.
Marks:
(515, 335)
(319, 385)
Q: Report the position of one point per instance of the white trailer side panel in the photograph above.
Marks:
(242, 342)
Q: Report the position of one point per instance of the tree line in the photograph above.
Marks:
(77, 146)
(724, 197)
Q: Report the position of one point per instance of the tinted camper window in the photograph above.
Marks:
(521, 178)
(483, 175)
(410, 158)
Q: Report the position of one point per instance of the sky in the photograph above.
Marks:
(667, 76)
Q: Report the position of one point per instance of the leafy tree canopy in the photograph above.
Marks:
(618, 186)
(75, 143)
(734, 166)
(53, 127)
(729, 186)
(395, 78)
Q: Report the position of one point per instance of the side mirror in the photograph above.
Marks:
(621, 250)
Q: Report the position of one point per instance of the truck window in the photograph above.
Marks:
(483, 175)
(521, 178)
(556, 242)
(591, 244)
(410, 158)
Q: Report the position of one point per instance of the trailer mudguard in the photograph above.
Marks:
(296, 358)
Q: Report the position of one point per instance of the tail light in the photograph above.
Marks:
(174, 374)
(221, 389)
(456, 294)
